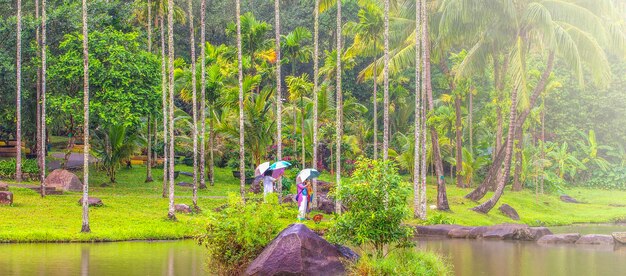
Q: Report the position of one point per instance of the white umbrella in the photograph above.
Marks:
(307, 174)
(260, 170)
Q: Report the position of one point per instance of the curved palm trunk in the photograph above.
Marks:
(386, 84)
(339, 126)
(503, 175)
(85, 200)
(194, 101)
(18, 95)
(203, 96)
(170, 31)
(315, 91)
(490, 179)
(242, 163)
(518, 149)
(442, 198)
(279, 94)
(43, 99)
(164, 106)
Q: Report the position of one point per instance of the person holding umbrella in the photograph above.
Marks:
(263, 172)
(305, 194)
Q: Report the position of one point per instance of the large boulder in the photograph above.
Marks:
(325, 204)
(92, 202)
(182, 208)
(460, 233)
(6, 198)
(596, 239)
(568, 199)
(498, 232)
(298, 251)
(559, 238)
(441, 230)
(4, 186)
(509, 211)
(63, 180)
(620, 237)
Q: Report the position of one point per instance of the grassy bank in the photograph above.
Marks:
(135, 210)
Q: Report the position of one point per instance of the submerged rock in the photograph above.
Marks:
(596, 239)
(509, 211)
(620, 237)
(559, 238)
(298, 251)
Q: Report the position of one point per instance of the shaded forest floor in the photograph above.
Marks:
(135, 210)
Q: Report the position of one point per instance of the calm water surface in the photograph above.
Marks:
(469, 257)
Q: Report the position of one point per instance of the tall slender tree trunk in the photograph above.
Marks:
(149, 150)
(242, 163)
(543, 139)
(194, 100)
(339, 115)
(386, 83)
(459, 142)
(279, 94)
(43, 99)
(375, 79)
(211, 144)
(18, 95)
(85, 228)
(470, 115)
(503, 175)
(315, 91)
(302, 115)
(417, 153)
(170, 31)
(490, 178)
(203, 105)
(164, 106)
(40, 158)
(442, 198)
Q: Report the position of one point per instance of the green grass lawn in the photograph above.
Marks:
(135, 210)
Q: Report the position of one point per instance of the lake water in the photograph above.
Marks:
(468, 257)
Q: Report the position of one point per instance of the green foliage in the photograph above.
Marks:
(403, 262)
(439, 218)
(612, 178)
(113, 146)
(239, 233)
(7, 167)
(376, 201)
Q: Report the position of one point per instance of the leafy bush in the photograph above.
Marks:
(439, 219)
(236, 236)
(7, 167)
(613, 178)
(401, 262)
(376, 201)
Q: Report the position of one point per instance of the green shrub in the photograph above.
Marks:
(238, 234)
(377, 203)
(7, 167)
(402, 262)
(439, 219)
(613, 178)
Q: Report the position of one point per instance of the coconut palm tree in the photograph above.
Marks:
(194, 108)
(279, 91)
(170, 30)
(164, 107)
(339, 110)
(242, 163)
(40, 159)
(85, 228)
(203, 98)
(316, 26)
(42, 147)
(18, 94)
(417, 156)
(386, 82)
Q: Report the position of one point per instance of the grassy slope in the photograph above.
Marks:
(135, 210)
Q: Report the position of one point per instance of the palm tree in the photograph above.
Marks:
(279, 91)
(149, 150)
(242, 163)
(417, 156)
(42, 147)
(164, 107)
(40, 159)
(296, 51)
(339, 125)
(203, 97)
(316, 26)
(194, 99)
(170, 30)
(85, 228)
(386, 83)
(18, 93)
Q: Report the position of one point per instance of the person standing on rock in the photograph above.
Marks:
(303, 199)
